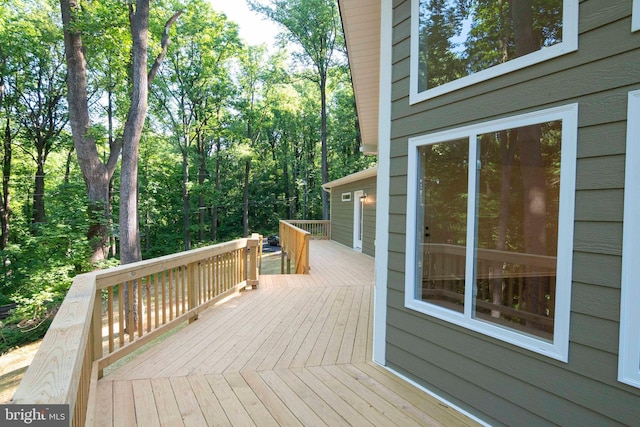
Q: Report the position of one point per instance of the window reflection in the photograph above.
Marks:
(458, 38)
(442, 223)
(517, 227)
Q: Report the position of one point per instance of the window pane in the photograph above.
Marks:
(457, 39)
(517, 227)
(442, 223)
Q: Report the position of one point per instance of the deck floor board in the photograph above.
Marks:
(295, 351)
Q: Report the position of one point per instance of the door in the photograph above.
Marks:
(358, 219)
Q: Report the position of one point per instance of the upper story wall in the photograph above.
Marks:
(498, 381)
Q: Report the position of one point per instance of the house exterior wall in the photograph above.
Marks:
(498, 382)
(342, 214)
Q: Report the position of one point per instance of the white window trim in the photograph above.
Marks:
(559, 348)
(635, 18)
(629, 352)
(569, 44)
(346, 197)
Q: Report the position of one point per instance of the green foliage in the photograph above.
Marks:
(462, 37)
(13, 335)
(216, 105)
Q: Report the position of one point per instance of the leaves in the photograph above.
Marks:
(215, 105)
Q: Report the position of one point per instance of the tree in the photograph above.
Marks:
(38, 88)
(344, 132)
(96, 173)
(258, 79)
(440, 21)
(192, 84)
(314, 26)
(6, 129)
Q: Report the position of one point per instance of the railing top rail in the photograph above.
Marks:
(140, 269)
(291, 225)
(307, 221)
(53, 375)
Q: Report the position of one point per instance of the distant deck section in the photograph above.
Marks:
(295, 351)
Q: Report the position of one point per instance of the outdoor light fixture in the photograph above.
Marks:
(363, 198)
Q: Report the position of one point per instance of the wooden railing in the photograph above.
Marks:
(294, 242)
(319, 229)
(94, 328)
(503, 281)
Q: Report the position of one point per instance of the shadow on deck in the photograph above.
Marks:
(294, 351)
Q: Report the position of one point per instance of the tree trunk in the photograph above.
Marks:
(129, 222)
(522, 15)
(535, 209)
(39, 213)
(5, 196)
(185, 197)
(325, 164)
(67, 166)
(202, 176)
(507, 149)
(285, 179)
(245, 210)
(533, 179)
(95, 173)
(214, 214)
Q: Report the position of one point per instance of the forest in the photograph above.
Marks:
(154, 123)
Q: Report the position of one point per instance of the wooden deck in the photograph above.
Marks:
(295, 351)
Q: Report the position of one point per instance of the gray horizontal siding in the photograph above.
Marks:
(501, 383)
(342, 214)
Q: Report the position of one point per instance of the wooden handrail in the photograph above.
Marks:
(170, 290)
(319, 229)
(294, 242)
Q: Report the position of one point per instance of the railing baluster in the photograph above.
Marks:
(148, 303)
(212, 277)
(156, 298)
(121, 314)
(139, 289)
(227, 271)
(130, 323)
(110, 318)
(183, 287)
(170, 290)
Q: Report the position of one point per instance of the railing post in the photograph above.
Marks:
(96, 330)
(192, 289)
(307, 264)
(252, 279)
(283, 240)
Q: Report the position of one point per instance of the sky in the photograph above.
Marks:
(255, 29)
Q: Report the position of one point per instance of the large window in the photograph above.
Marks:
(490, 227)
(459, 43)
(629, 364)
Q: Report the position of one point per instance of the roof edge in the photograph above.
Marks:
(367, 173)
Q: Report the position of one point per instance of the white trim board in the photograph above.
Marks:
(629, 352)
(382, 186)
